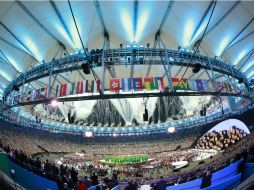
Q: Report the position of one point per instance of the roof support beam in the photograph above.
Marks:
(99, 13)
(223, 17)
(135, 17)
(64, 78)
(249, 53)
(164, 19)
(73, 17)
(8, 61)
(12, 45)
(38, 22)
(239, 33)
(201, 21)
(243, 38)
(249, 56)
(61, 19)
(13, 35)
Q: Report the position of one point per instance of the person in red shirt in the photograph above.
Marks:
(81, 186)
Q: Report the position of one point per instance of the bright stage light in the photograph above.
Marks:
(54, 103)
(171, 130)
(88, 134)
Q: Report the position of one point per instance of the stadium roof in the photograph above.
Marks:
(33, 31)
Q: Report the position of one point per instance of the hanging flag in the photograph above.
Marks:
(226, 87)
(149, 83)
(137, 84)
(29, 95)
(126, 84)
(16, 99)
(192, 84)
(41, 93)
(46, 94)
(95, 88)
(229, 87)
(218, 86)
(180, 84)
(33, 95)
(206, 85)
(159, 83)
(57, 91)
(211, 88)
(114, 84)
(63, 90)
(199, 84)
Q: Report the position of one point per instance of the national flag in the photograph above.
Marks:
(114, 84)
(42, 93)
(211, 87)
(81, 87)
(226, 87)
(218, 86)
(229, 87)
(57, 91)
(180, 84)
(192, 84)
(159, 83)
(95, 88)
(126, 84)
(137, 84)
(33, 95)
(29, 95)
(149, 83)
(16, 99)
(46, 94)
(199, 84)
(206, 85)
(63, 90)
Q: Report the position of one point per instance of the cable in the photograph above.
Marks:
(79, 34)
(199, 42)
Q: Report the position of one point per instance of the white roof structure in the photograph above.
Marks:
(33, 31)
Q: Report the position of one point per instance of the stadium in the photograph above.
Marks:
(126, 95)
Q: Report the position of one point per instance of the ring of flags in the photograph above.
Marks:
(127, 85)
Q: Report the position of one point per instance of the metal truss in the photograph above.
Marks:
(118, 57)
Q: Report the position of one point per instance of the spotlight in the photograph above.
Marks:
(85, 68)
(16, 88)
(240, 80)
(179, 48)
(54, 103)
(121, 46)
(196, 68)
(148, 45)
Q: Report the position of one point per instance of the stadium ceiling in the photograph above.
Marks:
(32, 32)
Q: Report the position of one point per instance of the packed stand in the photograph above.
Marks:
(221, 140)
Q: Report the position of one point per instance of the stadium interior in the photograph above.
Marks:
(126, 95)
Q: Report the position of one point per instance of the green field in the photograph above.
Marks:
(126, 160)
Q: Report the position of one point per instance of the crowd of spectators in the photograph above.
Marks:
(66, 178)
(221, 140)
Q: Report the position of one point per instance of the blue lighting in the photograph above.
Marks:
(187, 33)
(128, 25)
(240, 57)
(199, 31)
(75, 35)
(247, 66)
(33, 48)
(222, 46)
(14, 63)
(142, 20)
(250, 75)
(4, 74)
(64, 34)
